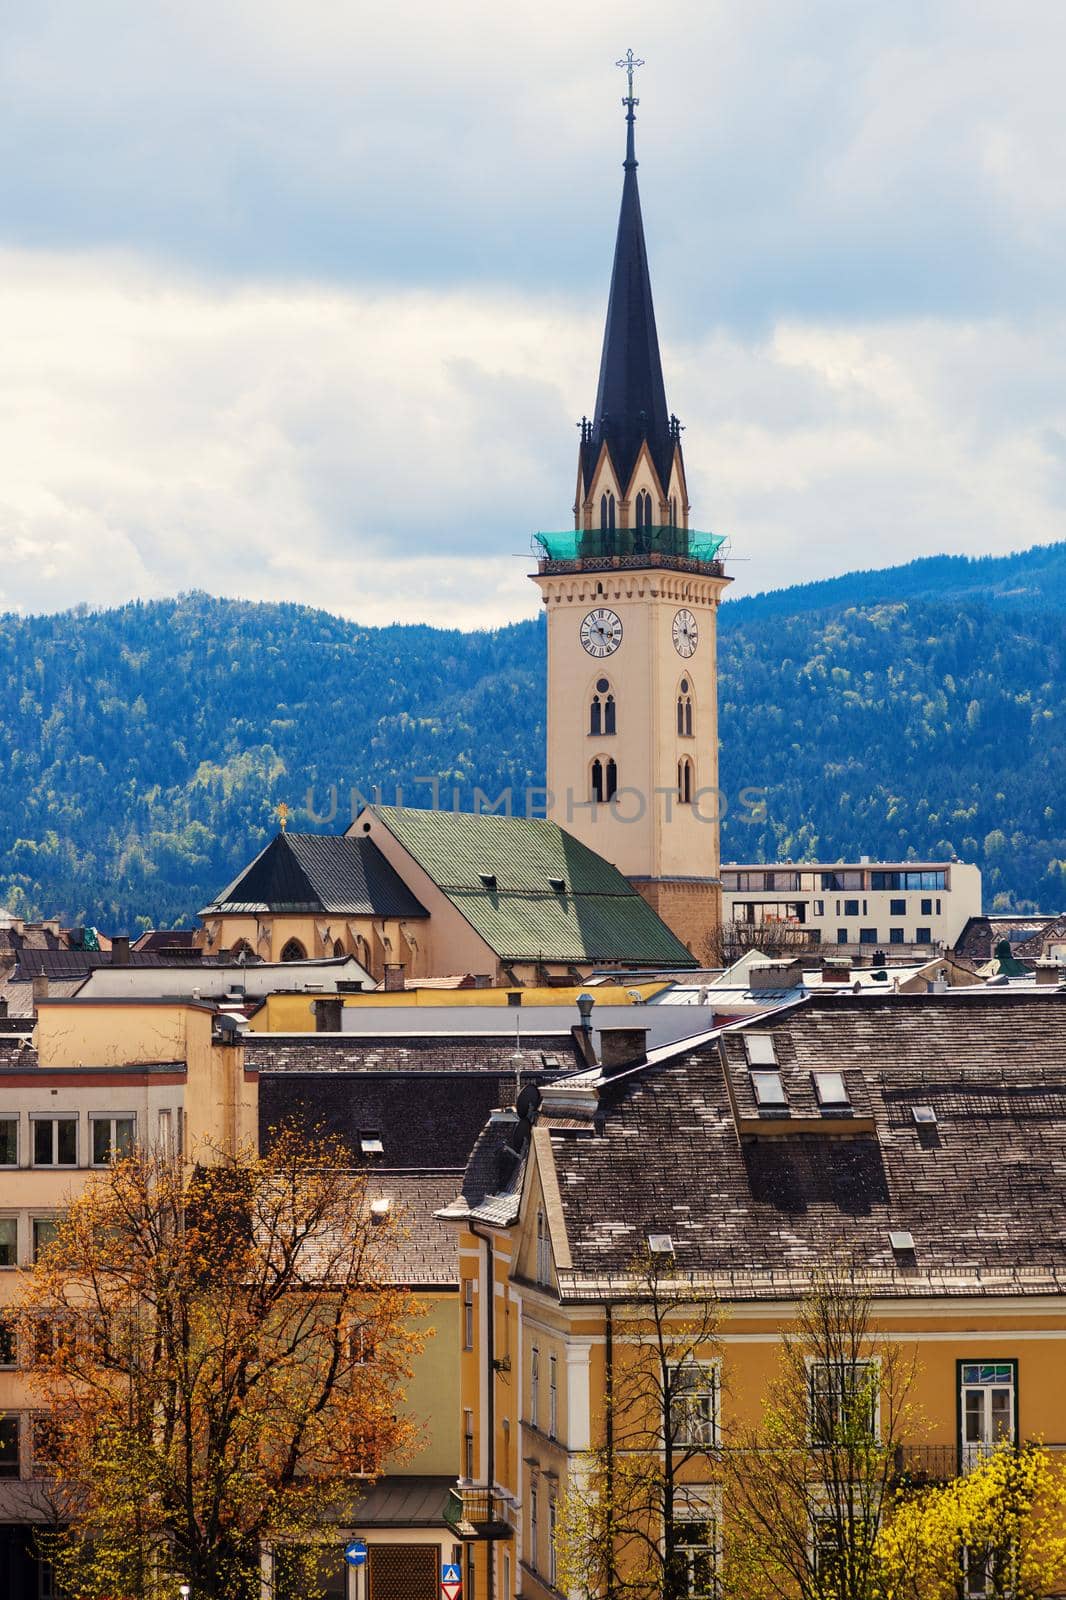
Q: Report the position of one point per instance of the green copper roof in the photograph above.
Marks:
(596, 916)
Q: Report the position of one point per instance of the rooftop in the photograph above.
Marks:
(312, 872)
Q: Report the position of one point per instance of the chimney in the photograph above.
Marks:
(1049, 972)
(328, 1014)
(395, 982)
(120, 950)
(836, 969)
(622, 1047)
(775, 974)
(40, 989)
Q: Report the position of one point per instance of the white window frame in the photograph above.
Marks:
(40, 1216)
(468, 1445)
(543, 1250)
(703, 1507)
(55, 1118)
(553, 1560)
(813, 1368)
(10, 1166)
(702, 1400)
(111, 1118)
(989, 1379)
(468, 1313)
(533, 1530)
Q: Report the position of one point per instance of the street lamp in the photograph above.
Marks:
(184, 1590)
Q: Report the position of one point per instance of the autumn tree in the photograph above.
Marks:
(637, 1519)
(808, 1483)
(219, 1353)
(998, 1531)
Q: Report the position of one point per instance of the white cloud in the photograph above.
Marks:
(387, 455)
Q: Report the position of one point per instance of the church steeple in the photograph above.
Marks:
(631, 396)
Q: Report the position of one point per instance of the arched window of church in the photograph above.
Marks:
(602, 708)
(673, 511)
(684, 710)
(606, 510)
(611, 783)
(597, 781)
(294, 951)
(684, 781)
(643, 509)
(338, 947)
(596, 715)
(609, 715)
(241, 950)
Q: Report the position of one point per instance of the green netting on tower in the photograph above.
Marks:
(579, 544)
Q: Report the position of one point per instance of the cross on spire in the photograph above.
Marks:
(629, 63)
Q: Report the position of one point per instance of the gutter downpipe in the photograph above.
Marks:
(490, 1405)
(608, 1385)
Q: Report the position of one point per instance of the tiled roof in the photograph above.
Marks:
(981, 1190)
(19, 995)
(157, 939)
(428, 1121)
(318, 872)
(981, 934)
(17, 1054)
(424, 1252)
(77, 963)
(1054, 932)
(346, 1054)
(596, 916)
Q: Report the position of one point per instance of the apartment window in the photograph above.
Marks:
(552, 1563)
(897, 908)
(927, 908)
(543, 1250)
(506, 1575)
(842, 936)
(843, 1401)
(923, 935)
(45, 1446)
(112, 1138)
(826, 1552)
(851, 908)
(553, 1398)
(867, 935)
(166, 1135)
(9, 1447)
(8, 1340)
(9, 1141)
(819, 908)
(533, 1527)
(44, 1231)
(694, 1405)
(988, 1406)
(534, 1387)
(9, 1242)
(55, 1141)
(468, 1446)
(895, 935)
(938, 908)
(696, 1541)
(468, 1313)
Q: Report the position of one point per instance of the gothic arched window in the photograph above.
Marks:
(596, 715)
(611, 781)
(673, 511)
(294, 951)
(597, 781)
(602, 716)
(609, 715)
(643, 509)
(606, 511)
(684, 710)
(338, 947)
(684, 781)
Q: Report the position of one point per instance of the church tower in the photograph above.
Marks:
(632, 597)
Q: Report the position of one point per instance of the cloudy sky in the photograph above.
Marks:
(301, 299)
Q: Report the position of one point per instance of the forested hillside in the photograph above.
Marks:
(143, 751)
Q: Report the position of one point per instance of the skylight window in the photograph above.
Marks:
(371, 1144)
(901, 1240)
(660, 1244)
(831, 1090)
(924, 1116)
(768, 1089)
(760, 1049)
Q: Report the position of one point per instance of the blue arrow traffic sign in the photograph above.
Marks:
(355, 1553)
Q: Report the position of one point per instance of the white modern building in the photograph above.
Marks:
(856, 905)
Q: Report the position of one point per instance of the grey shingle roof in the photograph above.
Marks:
(982, 1192)
(319, 872)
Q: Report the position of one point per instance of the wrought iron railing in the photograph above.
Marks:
(477, 1512)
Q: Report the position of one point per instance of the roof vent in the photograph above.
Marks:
(660, 1244)
(370, 1143)
(379, 1209)
(557, 885)
(487, 879)
(901, 1241)
(924, 1116)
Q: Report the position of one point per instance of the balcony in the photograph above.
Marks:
(614, 549)
(474, 1512)
(918, 1464)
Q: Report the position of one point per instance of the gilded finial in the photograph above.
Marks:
(283, 816)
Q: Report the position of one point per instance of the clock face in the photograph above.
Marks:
(601, 632)
(686, 634)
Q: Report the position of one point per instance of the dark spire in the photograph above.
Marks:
(631, 398)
